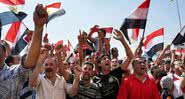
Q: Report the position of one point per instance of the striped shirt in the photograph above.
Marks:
(91, 91)
(14, 83)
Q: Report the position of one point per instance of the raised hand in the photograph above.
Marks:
(80, 37)
(59, 48)
(42, 57)
(141, 41)
(118, 35)
(46, 40)
(77, 71)
(106, 40)
(94, 29)
(44, 52)
(40, 16)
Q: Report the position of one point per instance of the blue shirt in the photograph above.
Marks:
(14, 82)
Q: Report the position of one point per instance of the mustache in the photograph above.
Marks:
(48, 70)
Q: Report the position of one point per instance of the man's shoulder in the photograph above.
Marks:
(94, 86)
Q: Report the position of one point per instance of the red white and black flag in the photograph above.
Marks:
(23, 38)
(154, 42)
(54, 10)
(13, 2)
(179, 40)
(9, 15)
(108, 30)
(136, 20)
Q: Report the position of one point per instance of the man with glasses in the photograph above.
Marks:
(138, 84)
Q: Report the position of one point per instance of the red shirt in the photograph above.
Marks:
(132, 88)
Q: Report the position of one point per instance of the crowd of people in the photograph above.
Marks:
(94, 72)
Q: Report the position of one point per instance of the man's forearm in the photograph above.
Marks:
(33, 82)
(62, 70)
(34, 50)
(75, 85)
(127, 49)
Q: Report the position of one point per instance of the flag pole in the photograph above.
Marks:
(143, 33)
(179, 14)
(0, 29)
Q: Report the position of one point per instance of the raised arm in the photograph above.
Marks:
(34, 78)
(107, 46)
(162, 55)
(80, 50)
(119, 36)
(40, 18)
(62, 71)
(75, 87)
(138, 52)
(86, 41)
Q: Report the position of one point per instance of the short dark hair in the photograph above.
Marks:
(89, 63)
(135, 61)
(9, 59)
(113, 49)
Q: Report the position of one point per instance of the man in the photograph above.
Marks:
(101, 43)
(114, 63)
(50, 85)
(14, 78)
(87, 89)
(138, 84)
(115, 54)
(109, 81)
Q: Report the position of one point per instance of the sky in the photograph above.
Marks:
(84, 14)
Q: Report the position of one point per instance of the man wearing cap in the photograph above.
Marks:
(13, 78)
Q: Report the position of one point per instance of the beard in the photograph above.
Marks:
(86, 77)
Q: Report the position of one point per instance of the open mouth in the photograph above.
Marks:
(48, 70)
(107, 64)
(142, 68)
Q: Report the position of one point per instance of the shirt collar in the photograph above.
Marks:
(134, 77)
(5, 66)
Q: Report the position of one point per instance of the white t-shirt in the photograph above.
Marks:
(46, 90)
(177, 92)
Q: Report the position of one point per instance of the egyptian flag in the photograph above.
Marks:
(60, 42)
(108, 30)
(137, 20)
(54, 10)
(22, 40)
(0, 29)
(10, 15)
(179, 40)
(12, 32)
(69, 48)
(13, 2)
(154, 42)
